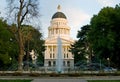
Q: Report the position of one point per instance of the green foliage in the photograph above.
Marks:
(15, 80)
(100, 38)
(33, 40)
(8, 45)
(79, 48)
(104, 34)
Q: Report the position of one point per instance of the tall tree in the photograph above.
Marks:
(101, 37)
(33, 41)
(81, 48)
(22, 10)
(8, 46)
(104, 34)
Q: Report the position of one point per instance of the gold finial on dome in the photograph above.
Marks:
(59, 7)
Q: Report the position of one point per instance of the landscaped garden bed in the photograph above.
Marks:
(8, 80)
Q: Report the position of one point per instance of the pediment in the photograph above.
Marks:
(54, 41)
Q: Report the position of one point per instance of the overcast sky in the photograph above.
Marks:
(78, 12)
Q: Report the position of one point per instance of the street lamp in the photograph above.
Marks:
(108, 59)
(87, 57)
(10, 60)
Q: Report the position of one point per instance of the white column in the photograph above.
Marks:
(47, 51)
(66, 51)
(52, 50)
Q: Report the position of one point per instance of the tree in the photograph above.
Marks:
(104, 34)
(33, 41)
(8, 46)
(101, 24)
(22, 10)
(101, 37)
(81, 48)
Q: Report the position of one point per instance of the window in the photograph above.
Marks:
(50, 49)
(54, 63)
(63, 63)
(53, 55)
(67, 55)
(68, 63)
(49, 63)
(56, 31)
(50, 55)
(64, 55)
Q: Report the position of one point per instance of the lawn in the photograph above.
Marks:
(15, 80)
(103, 80)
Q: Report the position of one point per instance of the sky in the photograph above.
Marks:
(78, 12)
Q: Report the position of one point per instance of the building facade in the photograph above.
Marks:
(58, 28)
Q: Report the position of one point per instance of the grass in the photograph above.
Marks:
(103, 80)
(15, 80)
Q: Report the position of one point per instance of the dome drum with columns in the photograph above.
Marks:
(58, 27)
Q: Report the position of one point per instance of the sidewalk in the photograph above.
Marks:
(62, 79)
(75, 79)
(59, 80)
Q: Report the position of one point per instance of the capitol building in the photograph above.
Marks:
(58, 28)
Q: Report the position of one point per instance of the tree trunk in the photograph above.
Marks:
(21, 51)
(20, 41)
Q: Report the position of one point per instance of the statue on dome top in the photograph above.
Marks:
(59, 7)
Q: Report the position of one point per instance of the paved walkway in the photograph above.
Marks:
(59, 80)
(75, 79)
(63, 79)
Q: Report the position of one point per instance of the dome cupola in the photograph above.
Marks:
(59, 14)
(58, 25)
